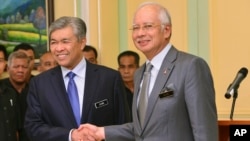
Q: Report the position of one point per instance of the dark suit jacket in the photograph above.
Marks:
(181, 106)
(49, 115)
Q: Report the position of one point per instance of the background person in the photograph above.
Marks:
(47, 62)
(90, 54)
(9, 106)
(128, 62)
(3, 59)
(30, 52)
(18, 68)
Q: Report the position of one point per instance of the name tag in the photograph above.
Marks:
(101, 103)
(166, 94)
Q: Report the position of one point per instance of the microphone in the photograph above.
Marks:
(235, 85)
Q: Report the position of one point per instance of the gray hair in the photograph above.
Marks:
(78, 25)
(17, 55)
(164, 15)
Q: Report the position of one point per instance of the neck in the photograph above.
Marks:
(18, 86)
(130, 86)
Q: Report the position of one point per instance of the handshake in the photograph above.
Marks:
(88, 132)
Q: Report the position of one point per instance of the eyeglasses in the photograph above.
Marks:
(146, 27)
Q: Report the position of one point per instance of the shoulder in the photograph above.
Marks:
(187, 58)
(101, 69)
(5, 88)
(48, 75)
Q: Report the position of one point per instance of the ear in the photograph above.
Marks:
(83, 42)
(39, 68)
(167, 31)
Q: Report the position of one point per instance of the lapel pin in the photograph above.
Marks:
(165, 72)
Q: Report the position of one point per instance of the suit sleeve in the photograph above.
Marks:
(119, 132)
(200, 101)
(35, 126)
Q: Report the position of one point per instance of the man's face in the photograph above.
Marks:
(127, 68)
(31, 55)
(19, 70)
(149, 35)
(66, 48)
(47, 62)
(2, 63)
(90, 56)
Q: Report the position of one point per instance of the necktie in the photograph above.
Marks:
(143, 99)
(73, 97)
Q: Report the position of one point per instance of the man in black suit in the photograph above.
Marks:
(100, 90)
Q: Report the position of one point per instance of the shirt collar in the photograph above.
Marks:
(78, 70)
(158, 59)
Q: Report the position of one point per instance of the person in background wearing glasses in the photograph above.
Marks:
(181, 101)
(90, 54)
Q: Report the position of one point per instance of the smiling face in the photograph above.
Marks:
(150, 36)
(66, 48)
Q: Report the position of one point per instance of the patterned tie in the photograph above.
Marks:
(73, 97)
(143, 99)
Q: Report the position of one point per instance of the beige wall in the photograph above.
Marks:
(228, 39)
(64, 8)
(229, 52)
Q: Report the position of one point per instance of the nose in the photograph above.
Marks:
(20, 69)
(126, 70)
(59, 47)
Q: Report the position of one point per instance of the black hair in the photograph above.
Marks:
(3, 49)
(129, 53)
(88, 48)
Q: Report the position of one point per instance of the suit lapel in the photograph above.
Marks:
(161, 80)
(61, 94)
(91, 84)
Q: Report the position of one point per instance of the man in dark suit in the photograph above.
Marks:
(180, 102)
(51, 115)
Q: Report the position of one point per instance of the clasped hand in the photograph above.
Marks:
(88, 132)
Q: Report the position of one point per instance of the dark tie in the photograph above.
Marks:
(143, 99)
(73, 97)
